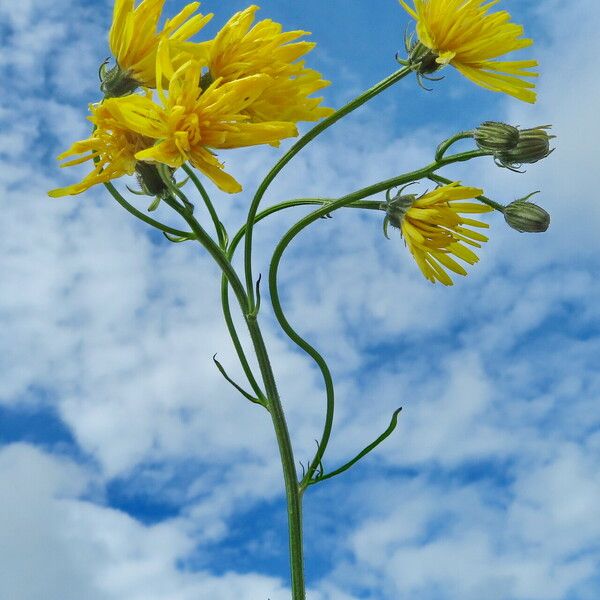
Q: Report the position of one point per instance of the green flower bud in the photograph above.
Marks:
(526, 217)
(115, 82)
(533, 145)
(492, 136)
(152, 184)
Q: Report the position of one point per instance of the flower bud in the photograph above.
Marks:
(116, 82)
(526, 217)
(533, 145)
(149, 179)
(492, 136)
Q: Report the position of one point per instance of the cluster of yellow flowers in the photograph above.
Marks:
(170, 101)
(464, 34)
(245, 87)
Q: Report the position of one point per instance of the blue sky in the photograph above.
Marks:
(130, 470)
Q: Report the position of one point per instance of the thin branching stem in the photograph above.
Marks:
(138, 214)
(219, 227)
(348, 200)
(446, 144)
(285, 159)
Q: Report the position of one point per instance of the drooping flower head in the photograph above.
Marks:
(134, 37)
(464, 34)
(241, 50)
(111, 146)
(190, 122)
(436, 231)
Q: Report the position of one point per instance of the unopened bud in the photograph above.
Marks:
(116, 82)
(493, 136)
(149, 179)
(526, 217)
(533, 145)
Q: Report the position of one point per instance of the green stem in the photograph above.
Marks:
(222, 234)
(292, 490)
(230, 252)
(369, 205)
(350, 199)
(143, 217)
(386, 184)
(220, 229)
(363, 453)
(445, 145)
(229, 276)
(202, 236)
(235, 338)
(285, 159)
(239, 388)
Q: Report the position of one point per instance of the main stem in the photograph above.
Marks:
(292, 489)
(293, 493)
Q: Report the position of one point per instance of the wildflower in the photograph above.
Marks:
(533, 145)
(111, 146)
(241, 50)
(462, 33)
(191, 122)
(526, 217)
(435, 229)
(134, 41)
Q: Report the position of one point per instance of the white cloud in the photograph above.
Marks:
(57, 546)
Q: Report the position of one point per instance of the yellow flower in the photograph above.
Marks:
(240, 50)
(191, 121)
(463, 34)
(435, 229)
(111, 147)
(134, 38)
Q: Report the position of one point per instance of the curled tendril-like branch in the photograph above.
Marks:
(239, 388)
(102, 69)
(135, 192)
(254, 313)
(361, 454)
(177, 239)
(145, 218)
(303, 469)
(446, 144)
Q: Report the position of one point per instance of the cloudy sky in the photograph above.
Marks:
(129, 468)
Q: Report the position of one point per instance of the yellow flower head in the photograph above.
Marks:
(435, 230)
(111, 147)
(134, 38)
(241, 50)
(463, 34)
(190, 122)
